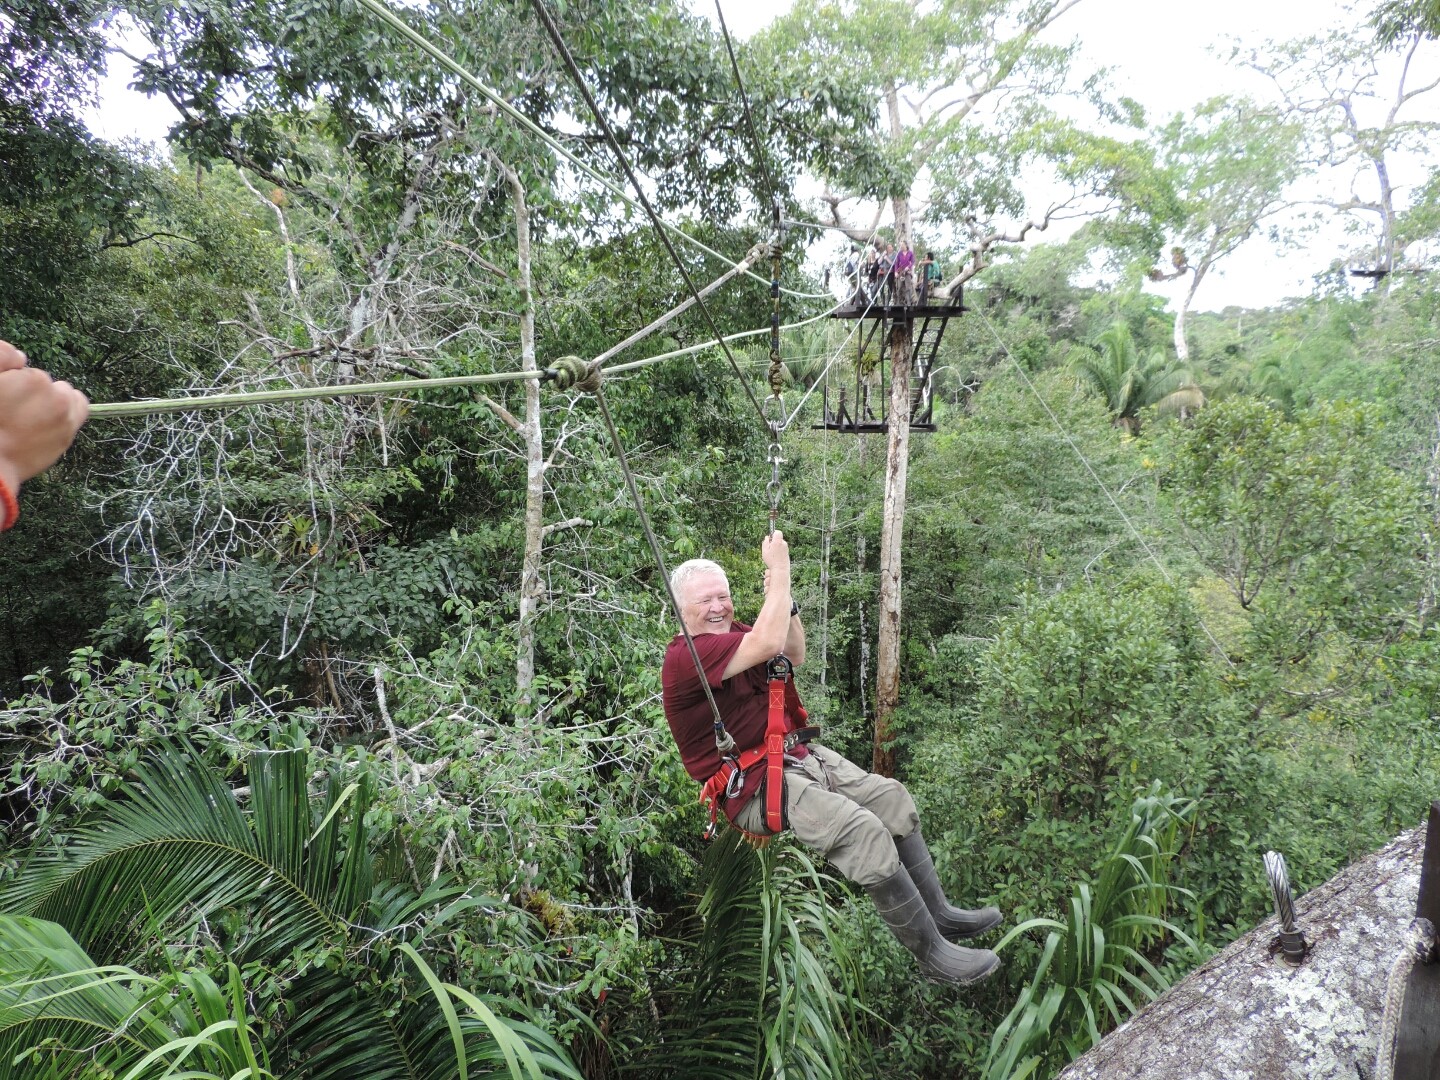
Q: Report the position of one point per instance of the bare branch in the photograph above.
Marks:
(568, 523)
(862, 236)
(500, 411)
(132, 241)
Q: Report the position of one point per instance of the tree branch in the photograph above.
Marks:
(980, 247)
(862, 236)
(499, 410)
(141, 239)
(568, 523)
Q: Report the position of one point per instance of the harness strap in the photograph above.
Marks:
(775, 754)
(783, 730)
(730, 774)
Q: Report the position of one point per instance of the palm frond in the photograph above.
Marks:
(1100, 372)
(1079, 988)
(291, 874)
(62, 1016)
(761, 998)
(177, 848)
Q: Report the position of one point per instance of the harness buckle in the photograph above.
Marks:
(735, 783)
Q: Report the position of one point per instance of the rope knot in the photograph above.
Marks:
(1419, 940)
(571, 371)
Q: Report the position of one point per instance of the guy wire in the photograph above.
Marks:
(1065, 434)
(579, 80)
(745, 104)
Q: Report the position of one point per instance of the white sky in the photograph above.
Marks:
(1157, 55)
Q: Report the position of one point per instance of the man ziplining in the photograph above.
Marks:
(865, 825)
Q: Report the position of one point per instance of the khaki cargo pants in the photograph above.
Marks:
(851, 817)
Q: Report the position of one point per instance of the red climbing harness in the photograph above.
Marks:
(784, 730)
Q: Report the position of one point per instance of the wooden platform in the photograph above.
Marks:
(891, 312)
(864, 427)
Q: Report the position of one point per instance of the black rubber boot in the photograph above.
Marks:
(954, 923)
(899, 904)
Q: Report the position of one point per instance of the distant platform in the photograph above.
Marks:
(952, 307)
(866, 427)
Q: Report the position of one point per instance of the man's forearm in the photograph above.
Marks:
(795, 641)
(770, 624)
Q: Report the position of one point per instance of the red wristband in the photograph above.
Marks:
(9, 507)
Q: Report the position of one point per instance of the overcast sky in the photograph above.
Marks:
(1158, 57)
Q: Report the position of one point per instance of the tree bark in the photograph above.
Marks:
(1387, 260)
(1245, 1012)
(897, 461)
(531, 589)
(1431, 535)
(1182, 313)
(892, 529)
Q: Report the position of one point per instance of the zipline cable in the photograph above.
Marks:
(744, 264)
(745, 103)
(158, 406)
(118, 409)
(825, 373)
(454, 67)
(617, 369)
(579, 80)
(1065, 434)
(659, 558)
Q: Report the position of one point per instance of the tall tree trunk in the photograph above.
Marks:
(1386, 262)
(1431, 536)
(892, 530)
(530, 586)
(862, 631)
(827, 536)
(897, 461)
(1182, 347)
(1182, 314)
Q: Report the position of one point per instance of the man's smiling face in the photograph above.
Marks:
(706, 605)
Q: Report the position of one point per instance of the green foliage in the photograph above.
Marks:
(62, 1016)
(1103, 684)
(1002, 499)
(70, 741)
(112, 276)
(1302, 518)
(322, 601)
(1231, 162)
(1397, 19)
(1129, 382)
(768, 991)
(1093, 972)
(177, 873)
(50, 54)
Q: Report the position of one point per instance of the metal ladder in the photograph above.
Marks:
(924, 349)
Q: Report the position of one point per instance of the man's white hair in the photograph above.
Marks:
(693, 568)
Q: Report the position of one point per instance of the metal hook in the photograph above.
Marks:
(1292, 941)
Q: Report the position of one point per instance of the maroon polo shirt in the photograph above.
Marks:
(743, 700)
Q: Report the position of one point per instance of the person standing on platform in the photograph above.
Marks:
(886, 273)
(905, 276)
(929, 277)
(852, 277)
